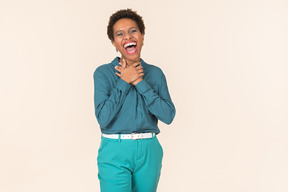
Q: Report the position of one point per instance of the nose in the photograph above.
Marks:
(127, 36)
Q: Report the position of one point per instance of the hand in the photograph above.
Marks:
(130, 73)
(137, 81)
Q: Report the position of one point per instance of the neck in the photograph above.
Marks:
(129, 62)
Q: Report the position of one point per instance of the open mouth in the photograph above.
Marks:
(130, 47)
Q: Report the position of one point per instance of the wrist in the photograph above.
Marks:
(137, 81)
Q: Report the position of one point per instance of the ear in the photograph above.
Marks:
(142, 38)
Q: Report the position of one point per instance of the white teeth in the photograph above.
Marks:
(129, 44)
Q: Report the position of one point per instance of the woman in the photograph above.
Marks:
(130, 96)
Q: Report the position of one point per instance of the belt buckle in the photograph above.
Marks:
(132, 134)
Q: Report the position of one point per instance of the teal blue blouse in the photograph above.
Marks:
(123, 108)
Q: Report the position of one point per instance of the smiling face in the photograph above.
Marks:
(128, 39)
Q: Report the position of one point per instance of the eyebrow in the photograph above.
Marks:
(128, 29)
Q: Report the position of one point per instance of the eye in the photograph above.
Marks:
(119, 34)
(133, 31)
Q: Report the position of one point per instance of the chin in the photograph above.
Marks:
(134, 57)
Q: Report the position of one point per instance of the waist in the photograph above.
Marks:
(132, 136)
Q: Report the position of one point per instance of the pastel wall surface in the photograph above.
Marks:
(226, 67)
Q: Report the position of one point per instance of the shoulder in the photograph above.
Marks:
(153, 69)
(105, 68)
(102, 67)
(100, 70)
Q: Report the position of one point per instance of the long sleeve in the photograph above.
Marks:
(108, 101)
(159, 104)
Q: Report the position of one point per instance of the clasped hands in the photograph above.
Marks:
(132, 74)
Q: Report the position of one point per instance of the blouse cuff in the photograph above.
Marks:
(122, 85)
(142, 86)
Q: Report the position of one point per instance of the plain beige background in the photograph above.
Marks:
(226, 67)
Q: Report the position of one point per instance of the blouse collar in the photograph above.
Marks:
(116, 61)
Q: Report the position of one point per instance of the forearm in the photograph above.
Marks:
(108, 102)
(160, 106)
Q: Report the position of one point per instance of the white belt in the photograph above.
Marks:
(132, 136)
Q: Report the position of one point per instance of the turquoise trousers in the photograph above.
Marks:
(126, 165)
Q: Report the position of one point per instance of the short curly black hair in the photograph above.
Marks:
(124, 13)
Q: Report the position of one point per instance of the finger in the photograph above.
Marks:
(139, 67)
(136, 63)
(118, 74)
(124, 63)
(118, 68)
(121, 63)
(140, 71)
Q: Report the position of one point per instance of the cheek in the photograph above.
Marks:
(140, 38)
(118, 43)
